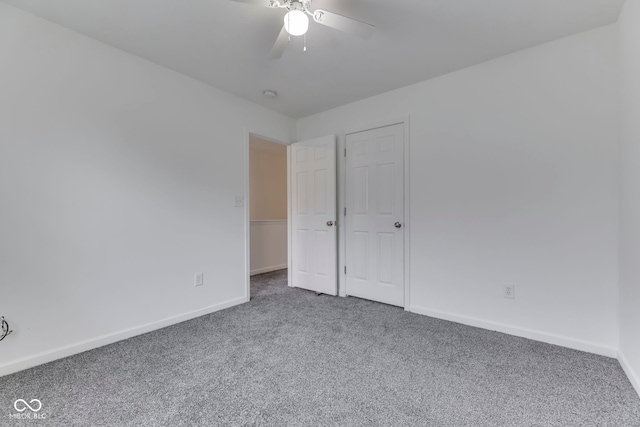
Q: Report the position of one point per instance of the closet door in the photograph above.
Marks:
(375, 214)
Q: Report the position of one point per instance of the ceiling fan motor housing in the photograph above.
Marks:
(302, 5)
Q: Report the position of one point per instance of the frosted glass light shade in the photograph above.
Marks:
(296, 22)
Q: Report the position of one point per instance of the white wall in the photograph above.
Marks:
(117, 179)
(268, 246)
(630, 191)
(268, 179)
(513, 179)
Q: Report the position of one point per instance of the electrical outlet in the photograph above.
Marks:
(509, 291)
(199, 279)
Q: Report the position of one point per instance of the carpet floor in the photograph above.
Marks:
(292, 358)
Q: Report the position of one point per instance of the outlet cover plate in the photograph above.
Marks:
(509, 291)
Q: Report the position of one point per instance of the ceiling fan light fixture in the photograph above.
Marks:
(296, 22)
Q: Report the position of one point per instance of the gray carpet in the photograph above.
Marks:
(291, 358)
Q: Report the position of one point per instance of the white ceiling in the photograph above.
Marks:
(226, 44)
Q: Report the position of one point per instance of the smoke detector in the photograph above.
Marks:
(271, 94)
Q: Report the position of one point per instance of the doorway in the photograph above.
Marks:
(267, 206)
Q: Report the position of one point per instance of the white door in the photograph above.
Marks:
(314, 263)
(375, 214)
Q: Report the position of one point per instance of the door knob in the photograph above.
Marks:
(397, 225)
(329, 223)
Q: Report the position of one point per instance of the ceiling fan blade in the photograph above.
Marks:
(281, 42)
(265, 3)
(343, 23)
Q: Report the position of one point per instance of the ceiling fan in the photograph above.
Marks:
(296, 21)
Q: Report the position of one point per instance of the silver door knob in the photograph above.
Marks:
(329, 223)
(397, 225)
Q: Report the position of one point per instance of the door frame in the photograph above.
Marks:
(342, 194)
(247, 206)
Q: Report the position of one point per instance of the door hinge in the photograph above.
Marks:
(345, 152)
(345, 211)
(345, 269)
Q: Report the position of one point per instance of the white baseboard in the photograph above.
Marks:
(82, 346)
(633, 376)
(268, 269)
(560, 340)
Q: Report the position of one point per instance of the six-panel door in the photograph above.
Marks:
(375, 214)
(313, 215)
